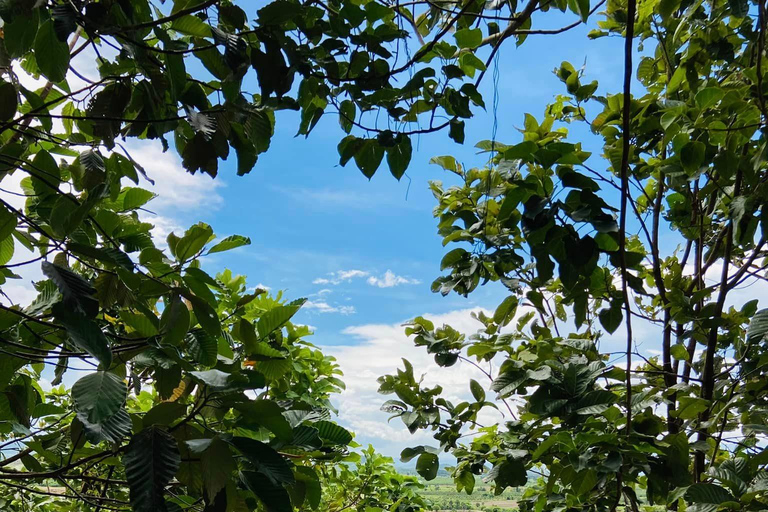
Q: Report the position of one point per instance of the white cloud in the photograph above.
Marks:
(176, 188)
(323, 307)
(387, 280)
(390, 279)
(377, 349)
(342, 276)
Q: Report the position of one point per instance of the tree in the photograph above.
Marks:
(175, 388)
(662, 229)
(216, 373)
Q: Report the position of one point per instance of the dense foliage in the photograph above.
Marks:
(661, 232)
(178, 389)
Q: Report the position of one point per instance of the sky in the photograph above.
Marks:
(364, 252)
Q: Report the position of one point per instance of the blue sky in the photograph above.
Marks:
(310, 219)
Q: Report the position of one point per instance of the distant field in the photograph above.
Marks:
(442, 493)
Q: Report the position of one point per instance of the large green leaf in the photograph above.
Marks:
(265, 460)
(8, 100)
(218, 465)
(52, 55)
(427, 465)
(77, 292)
(111, 430)
(150, 461)
(84, 333)
(202, 347)
(174, 322)
(267, 414)
(20, 33)
(277, 317)
(758, 327)
(192, 242)
(333, 433)
(274, 496)
(708, 494)
(205, 315)
(99, 395)
(231, 242)
(7, 222)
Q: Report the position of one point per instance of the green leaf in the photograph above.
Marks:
(510, 473)
(690, 407)
(269, 415)
(7, 222)
(192, 242)
(6, 250)
(174, 322)
(99, 395)
(274, 369)
(758, 327)
(277, 317)
(150, 461)
(469, 37)
(477, 390)
(164, 413)
(52, 54)
(427, 465)
(581, 8)
(347, 114)
(111, 430)
(274, 497)
(20, 33)
(191, 26)
(231, 242)
(216, 379)
(399, 157)
(708, 96)
(505, 312)
(611, 317)
(205, 315)
(77, 292)
(265, 459)
(9, 101)
(84, 333)
(369, 156)
(447, 162)
(456, 131)
(134, 197)
(679, 352)
(708, 493)
(202, 347)
(595, 402)
(739, 8)
(217, 467)
(333, 433)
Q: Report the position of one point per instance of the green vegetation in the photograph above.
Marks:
(442, 494)
(181, 389)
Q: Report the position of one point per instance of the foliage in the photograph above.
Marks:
(661, 229)
(202, 395)
(372, 484)
(174, 388)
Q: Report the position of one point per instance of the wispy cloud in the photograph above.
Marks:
(321, 306)
(341, 276)
(390, 279)
(387, 280)
(333, 199)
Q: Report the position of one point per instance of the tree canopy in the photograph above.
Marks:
(191, 392)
